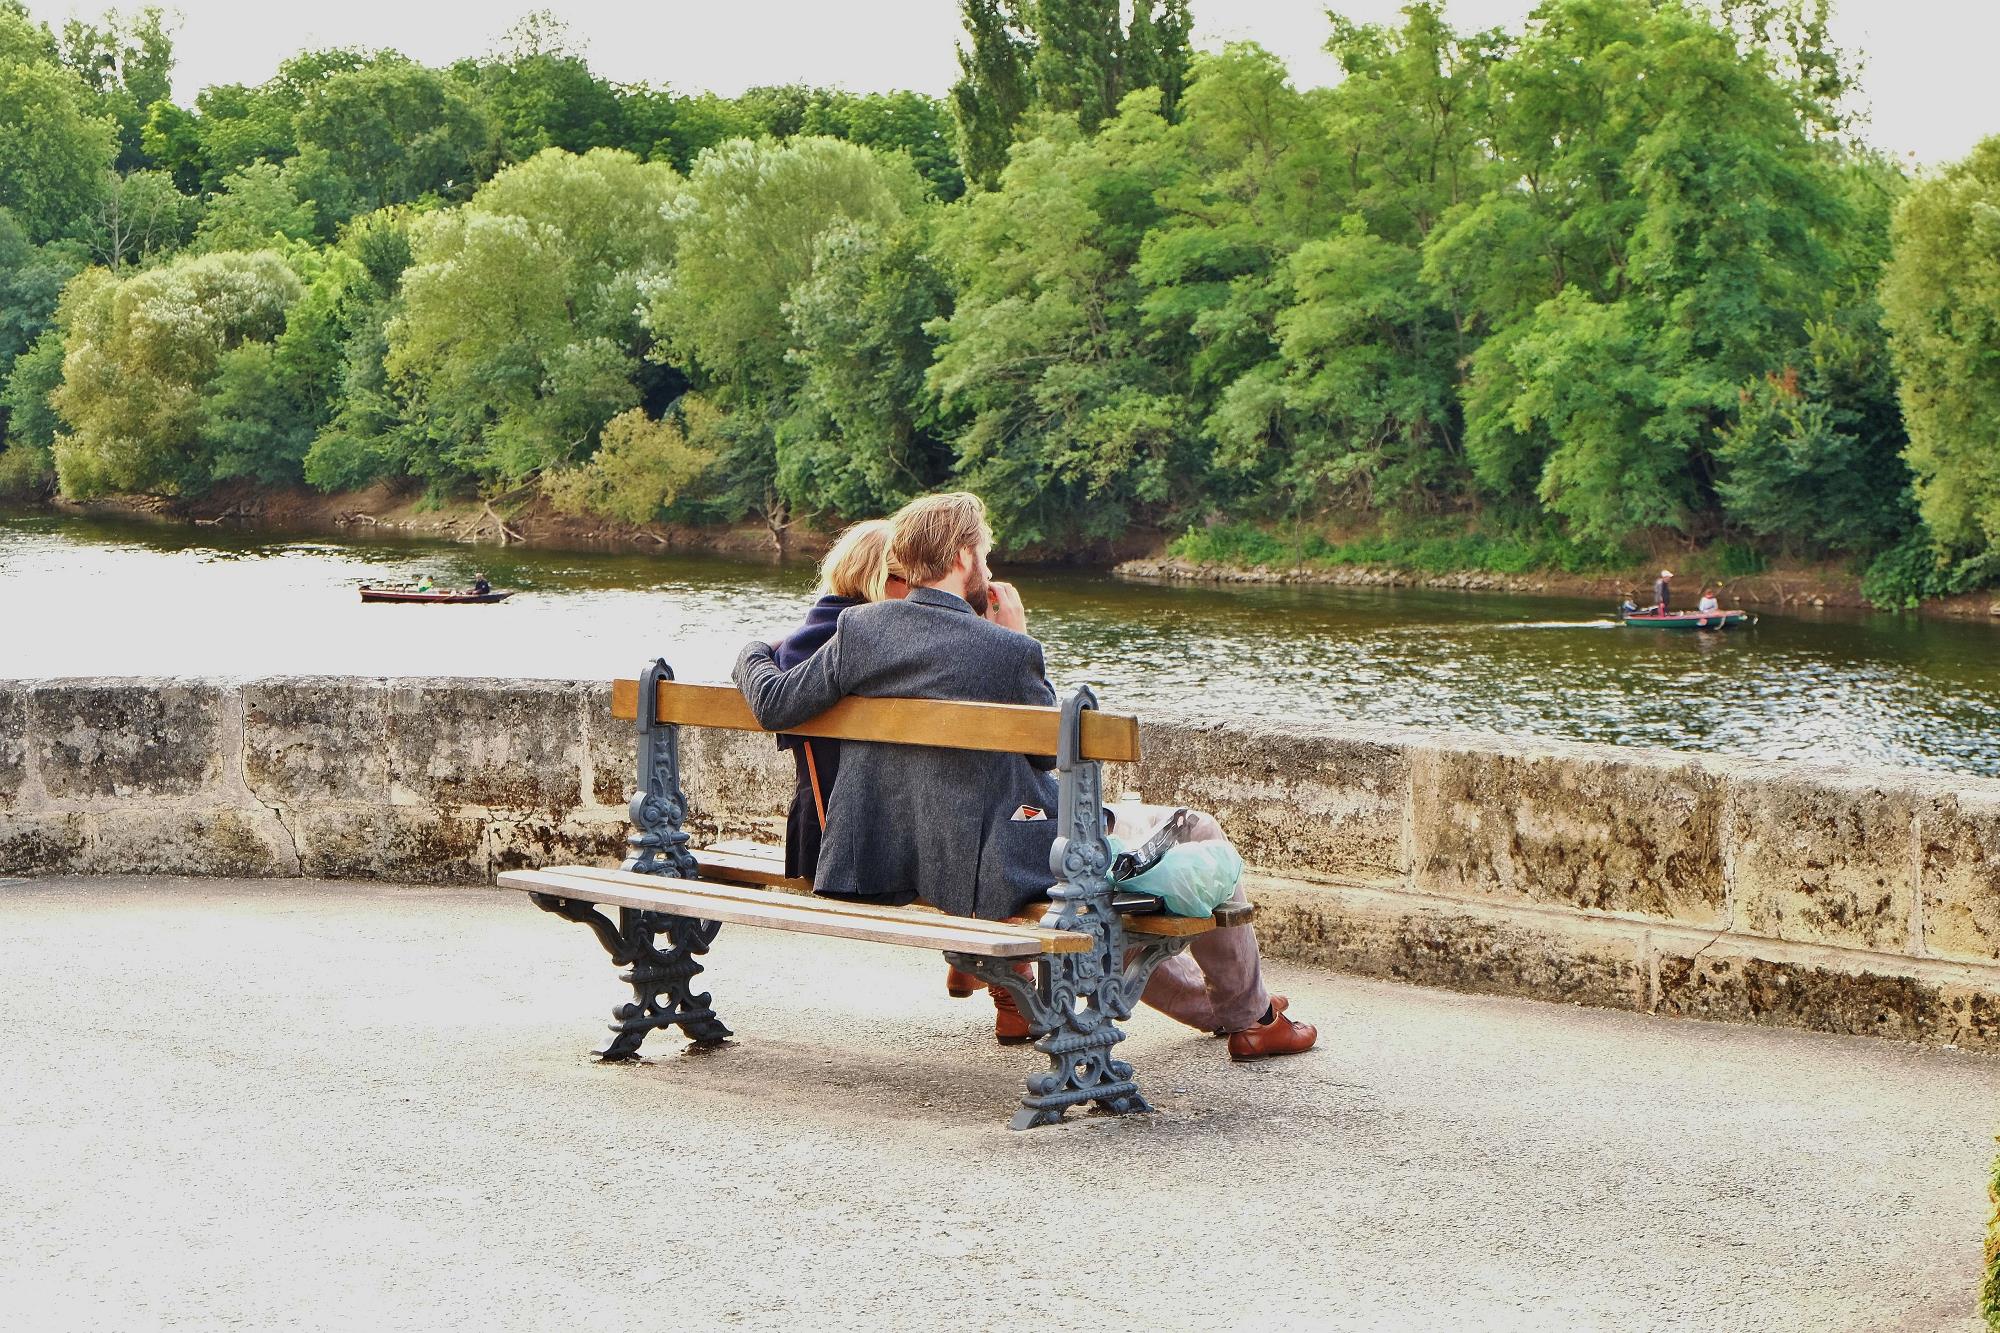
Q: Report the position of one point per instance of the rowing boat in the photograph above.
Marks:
(1689, 619)
(377, 593)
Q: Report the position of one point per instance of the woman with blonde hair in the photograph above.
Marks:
(858, 569)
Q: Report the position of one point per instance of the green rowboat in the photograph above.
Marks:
(1688, 619)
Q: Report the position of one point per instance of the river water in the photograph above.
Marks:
(94, 597)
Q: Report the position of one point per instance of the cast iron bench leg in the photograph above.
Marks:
(662, 994)
(1073, 1004)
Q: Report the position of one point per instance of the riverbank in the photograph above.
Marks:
(1779, 588)
(1143, 557)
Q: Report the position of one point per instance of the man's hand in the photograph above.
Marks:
(1003, 608)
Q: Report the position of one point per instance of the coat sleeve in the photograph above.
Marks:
(1036, 689)
(782, 699)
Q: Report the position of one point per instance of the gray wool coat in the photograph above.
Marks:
(909, 821)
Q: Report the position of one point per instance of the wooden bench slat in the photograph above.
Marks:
(739, 860)
(997, 728)
(792, 915)
(1046, 940)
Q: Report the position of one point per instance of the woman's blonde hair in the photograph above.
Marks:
(859, 565)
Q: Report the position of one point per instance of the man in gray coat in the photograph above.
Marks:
(968, 831)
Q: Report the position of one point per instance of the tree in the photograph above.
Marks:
(520, 336)
(256, 207)
(54, 152)
(398, 132)
(541, 93)
(1941, 301)
(751, 218)
(139, 215)
(642, 467)
(127, 61)
(1072, 423)
(138, 358)
(865, 433)
(1069, 56)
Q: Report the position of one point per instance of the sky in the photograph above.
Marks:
(1927, 64)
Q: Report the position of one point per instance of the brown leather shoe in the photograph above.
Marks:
(1010, 1028)
(959, 984)
(1280, 1036)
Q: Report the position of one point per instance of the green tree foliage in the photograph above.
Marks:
(865, 434)
(1070, 421)
(541, 93)
(643, 466)
(127, 60)
(1941, 301)
(256, 206)
(520, 337)
(398, 132)
(55, 150)
(751, 219)
(139, 357)
(1070, 56)
(139, 216)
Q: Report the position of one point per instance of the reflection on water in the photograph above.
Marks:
(89, 597)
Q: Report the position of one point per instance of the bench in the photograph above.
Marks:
(1092, 948)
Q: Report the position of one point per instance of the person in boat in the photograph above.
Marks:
(1663, 588)
(480, 585)
(859, 569)
(1708, 605)
(1628, 606)
(423, 583)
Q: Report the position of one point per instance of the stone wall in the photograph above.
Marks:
(1843, 900)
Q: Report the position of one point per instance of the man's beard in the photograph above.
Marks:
(978, 592)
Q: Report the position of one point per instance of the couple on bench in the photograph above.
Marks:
(909, 611)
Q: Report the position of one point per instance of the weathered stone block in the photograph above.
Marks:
(1958, 845)
(13, 742)
(612, 747)
(310, 739)
(1745, 989)
(1305, 803)
(1387, 935)
(246, 843)
(524, 844)
(1822, 857)
(392, 843)
(505, 745)
(738, 783)
(44, 844)
(96, 739)
(1569, 824)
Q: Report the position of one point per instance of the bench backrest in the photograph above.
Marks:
(1000, 728)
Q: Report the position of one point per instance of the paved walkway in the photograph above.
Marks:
(303, 1105)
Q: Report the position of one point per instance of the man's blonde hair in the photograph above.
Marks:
(859, 565)
(929, 532)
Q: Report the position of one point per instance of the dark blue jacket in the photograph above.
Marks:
(802, 820)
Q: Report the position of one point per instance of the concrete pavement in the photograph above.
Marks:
(297, 1104)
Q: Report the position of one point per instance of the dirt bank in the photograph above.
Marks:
(385, 510)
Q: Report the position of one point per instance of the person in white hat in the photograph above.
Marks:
(1662, 586)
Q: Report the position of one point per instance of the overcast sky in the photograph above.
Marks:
(1928, 71)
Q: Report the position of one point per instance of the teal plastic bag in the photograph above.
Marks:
(1192, 879)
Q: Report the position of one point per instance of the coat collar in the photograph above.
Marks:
(939, 597)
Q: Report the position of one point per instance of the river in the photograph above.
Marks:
(100, 597)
